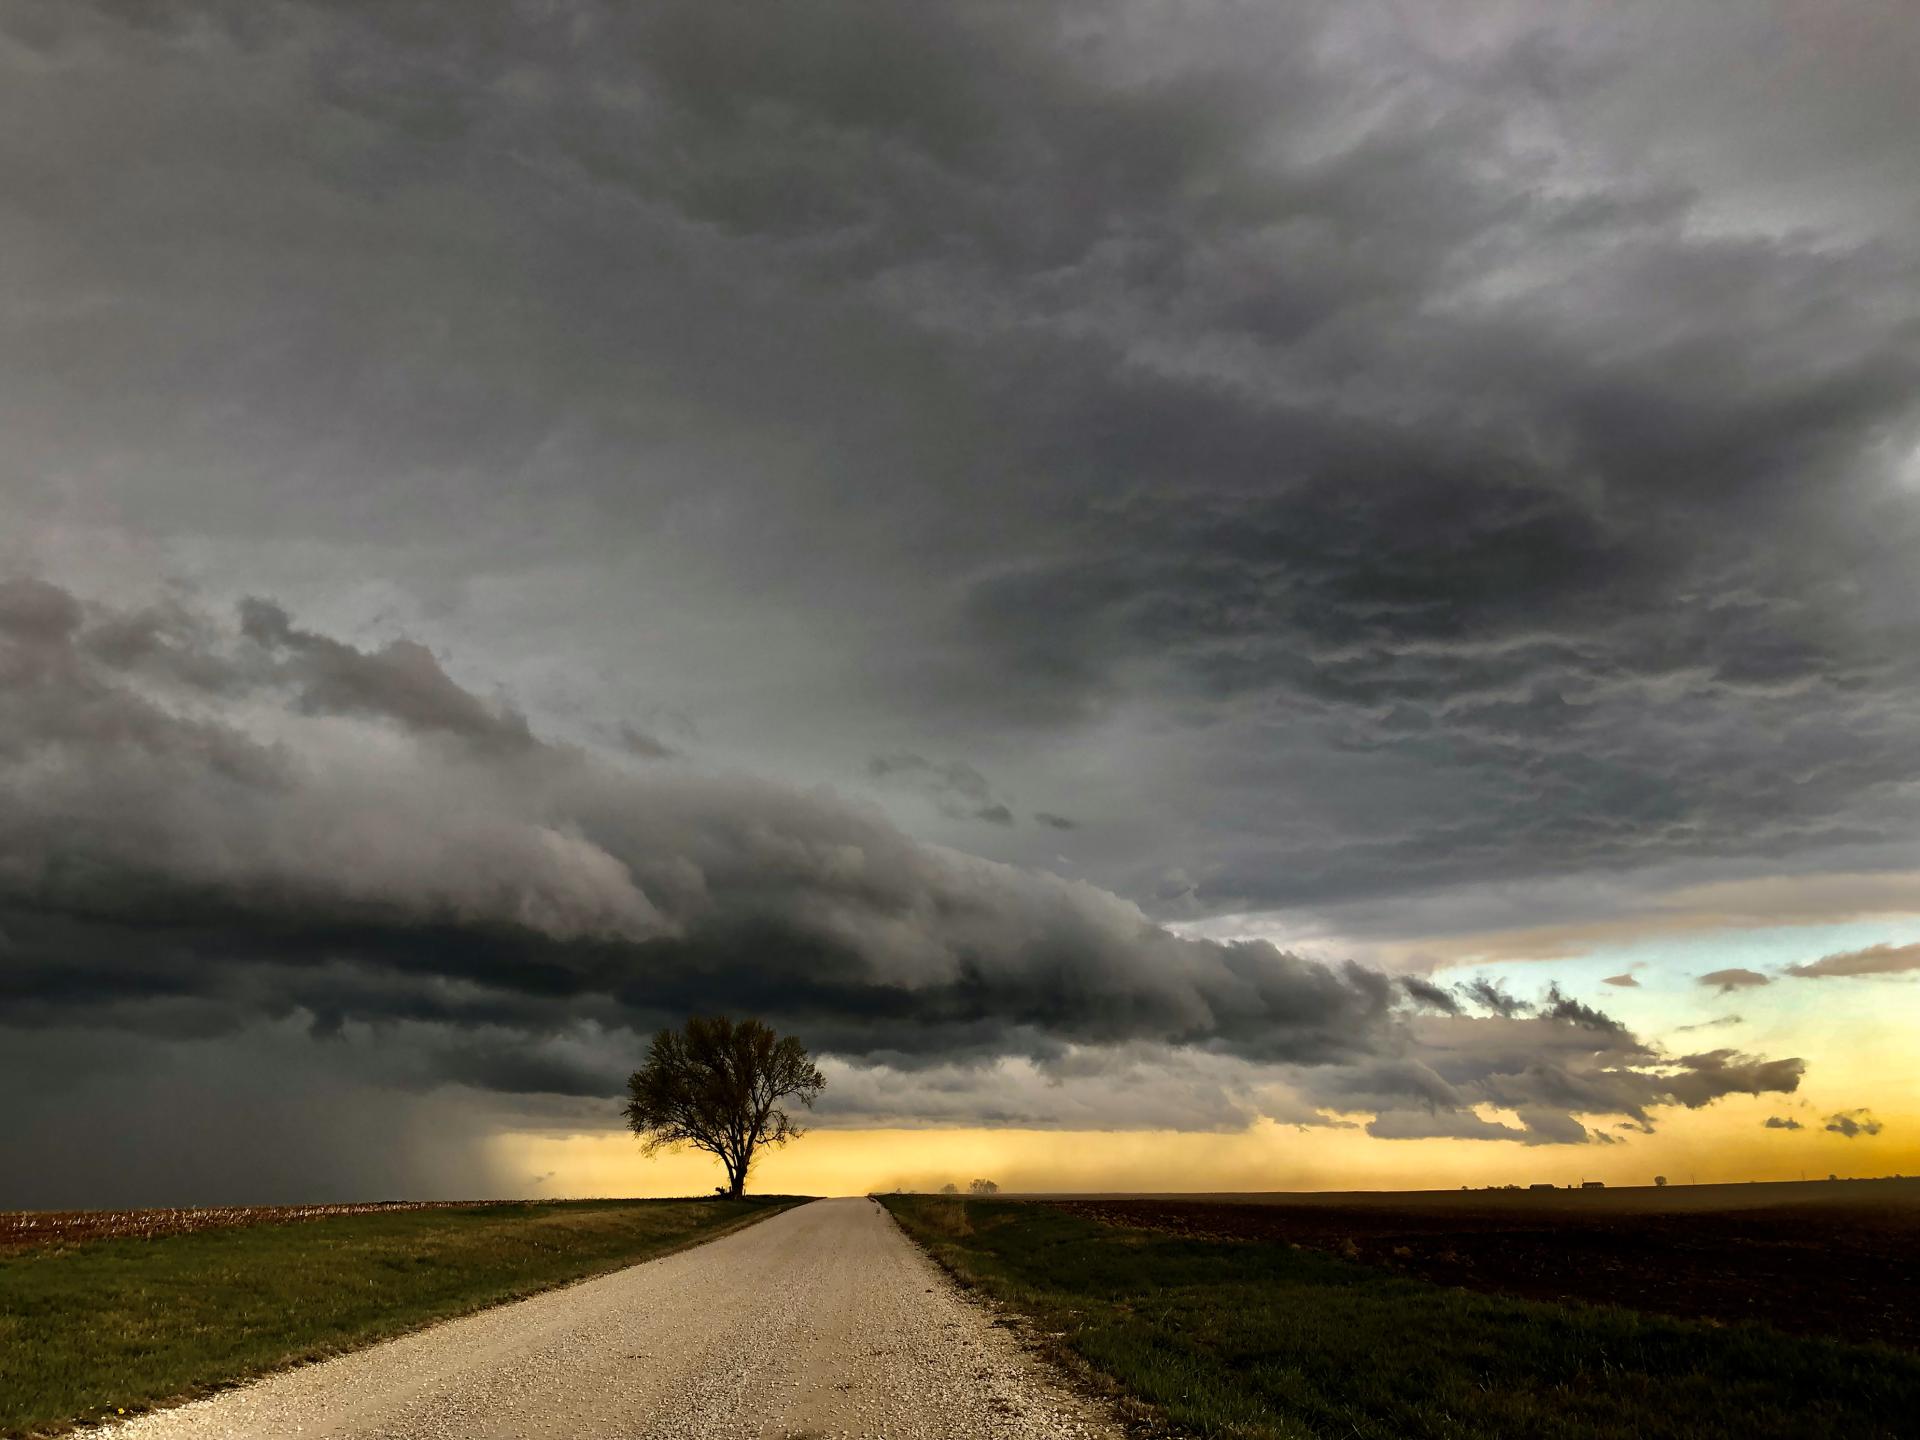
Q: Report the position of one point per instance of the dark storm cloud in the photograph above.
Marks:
(1731, 979)
(1386, 411)
(1055, 822)
(1369, 460)
(1883, 959)
(1850, 1124)
(204, 837)
(155, 850)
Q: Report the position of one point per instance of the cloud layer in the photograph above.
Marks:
(1874, 960)
(212, 827)
(1348, 456)
(1107, 466)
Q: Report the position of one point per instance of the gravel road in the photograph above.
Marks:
(824, 1321)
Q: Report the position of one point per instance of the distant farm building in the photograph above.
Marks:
(1593, 1184)
(1543, 1187)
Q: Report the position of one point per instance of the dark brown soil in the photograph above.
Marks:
(33, 1229)
(1839, 1259)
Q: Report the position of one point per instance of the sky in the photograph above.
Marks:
(1195, 595)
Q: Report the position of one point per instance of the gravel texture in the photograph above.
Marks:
(823, 1321)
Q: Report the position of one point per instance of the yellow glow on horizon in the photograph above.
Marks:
(1723, 1144)
(1857, 1038)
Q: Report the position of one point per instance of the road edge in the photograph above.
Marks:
(109, 1426)
(1138, 1419)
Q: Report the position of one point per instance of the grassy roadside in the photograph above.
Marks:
(108, 1324)
(1260, 1341)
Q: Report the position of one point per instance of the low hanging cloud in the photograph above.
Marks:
(208, 829)
(997, 368)
(1851, 1124)
(1736, 978)
(1781, 1122)
(954, 787)
(1548, 1073)
(1885, 959)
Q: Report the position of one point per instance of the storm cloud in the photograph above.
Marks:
(212, 829)
(986, 377)
(532, 518)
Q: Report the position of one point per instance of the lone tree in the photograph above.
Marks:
(717, 1086)
(983, 1187)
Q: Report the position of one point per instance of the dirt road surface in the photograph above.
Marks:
(824, 1321)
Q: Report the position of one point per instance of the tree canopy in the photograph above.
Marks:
(718, 1086)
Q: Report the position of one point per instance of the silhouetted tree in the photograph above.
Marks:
(717, 1086)
(982, 1187)
(949, 1188)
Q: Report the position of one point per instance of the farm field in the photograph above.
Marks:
(1231, 1331)
(116, 1311)
(1817, 1258)
(35, 1229)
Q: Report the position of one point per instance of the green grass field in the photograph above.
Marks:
(111, 1324)
(1257, 1341)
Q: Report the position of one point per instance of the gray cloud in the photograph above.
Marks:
(1492, 996)
(1874, 960)
(1781, 1122)
(1404, 470)
(1425, 992)
(954, 786)
(204, 838)
(401, 682)
(308, 859)
(1547, 1070)
(995, 375)
(636, 741)
(1731, 979)
(1625, 981)
(1708, 1076)
(1719, 1022)
(1850, 1124)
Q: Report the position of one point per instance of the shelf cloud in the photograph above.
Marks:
(216, 826)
